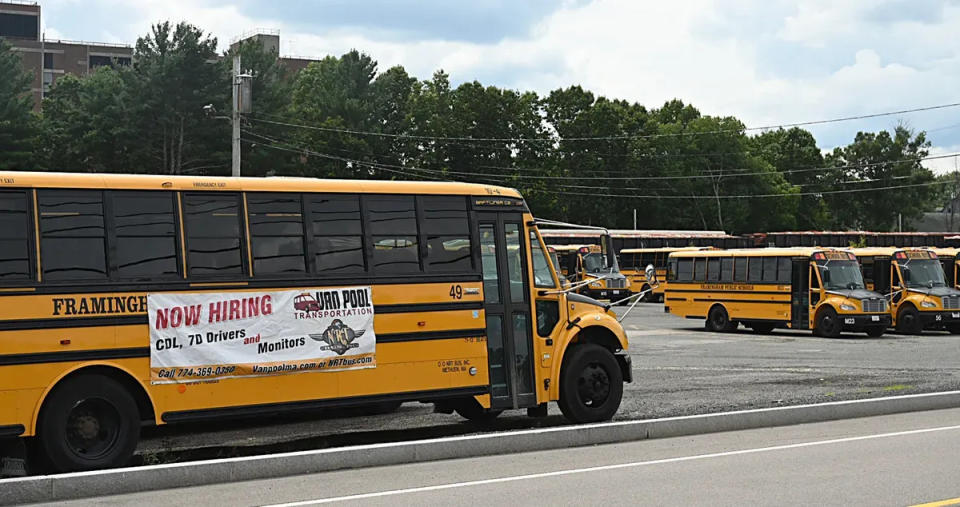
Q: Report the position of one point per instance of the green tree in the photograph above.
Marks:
(888, 178)
(17, 121)
(795, 154)
(177, 74)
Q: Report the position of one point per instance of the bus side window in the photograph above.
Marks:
(784, 269)
(769, 269)
(726, 269)
(392, 223)
(713, 269)
(276, 234)
(685, 270)
(755, 272)
(212, 224)
(814, 285)
(72, 235)
(446, 233)
(15, 247)
(337, 231)
(740, 269)
(146, 235)
(699, 270)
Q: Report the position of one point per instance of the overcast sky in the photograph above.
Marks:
(765, 61)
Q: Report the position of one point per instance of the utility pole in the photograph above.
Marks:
(236, 114)
(634, 218)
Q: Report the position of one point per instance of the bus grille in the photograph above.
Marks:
(951, 302)
(616, 283)
(873, 305)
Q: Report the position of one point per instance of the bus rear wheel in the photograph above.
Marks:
(908, 321)
(828, 324)
(89, 422)
(591, 384)
(719, 321)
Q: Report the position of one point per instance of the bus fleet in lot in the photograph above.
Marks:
(827, 290)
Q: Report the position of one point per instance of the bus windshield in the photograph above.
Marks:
(840, 275)
(595, 262)
(923, 273)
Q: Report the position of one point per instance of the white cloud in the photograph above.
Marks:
(944, 165)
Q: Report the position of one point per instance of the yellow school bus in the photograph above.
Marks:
(766, 288)
(132, 299)
(950, 260)
(913, 279)
(633, 263)
(591, 267)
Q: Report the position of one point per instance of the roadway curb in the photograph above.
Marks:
(177, 475)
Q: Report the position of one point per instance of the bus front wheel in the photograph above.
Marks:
(828, 323)
(719, 321)
(89, 422)
(908, 321)
(591, 384)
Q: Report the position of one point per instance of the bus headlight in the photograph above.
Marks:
(847, 308)
(928, 304)
(595, 285)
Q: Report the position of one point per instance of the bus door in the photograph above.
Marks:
(507, 307)
(800, 294)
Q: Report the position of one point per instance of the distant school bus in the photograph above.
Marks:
(950, 260)
(633, 263)
(589, 266)
(913, 279)
(797, 288)
(161, 299)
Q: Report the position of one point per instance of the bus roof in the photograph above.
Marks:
(630, 233)
(887, 251)
(666, 249)
(758, 252)
(270, 184)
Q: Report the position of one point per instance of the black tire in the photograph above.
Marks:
(876, 331)
(908, 321)
(953, 328)
(828, 323)
(591, 384)
(762, 327)
(719, 321)
(470, 409)
(88, 422)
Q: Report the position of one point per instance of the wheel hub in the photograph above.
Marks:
(594, 385)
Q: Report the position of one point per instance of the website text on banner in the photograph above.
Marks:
(241, 334)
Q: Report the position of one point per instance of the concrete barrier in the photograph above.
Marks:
(130, 480)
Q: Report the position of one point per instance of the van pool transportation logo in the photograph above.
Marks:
(210, 336)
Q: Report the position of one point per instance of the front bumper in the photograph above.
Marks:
(937, 319)
(860, 322)
(611, 294)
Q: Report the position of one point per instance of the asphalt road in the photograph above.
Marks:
(901, 459)
(679, 369)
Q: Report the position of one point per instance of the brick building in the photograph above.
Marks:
(48, 59)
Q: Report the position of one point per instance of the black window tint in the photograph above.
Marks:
(276, 234)
(337, 233)
(395, 254)
(72, 234)
(14, 239)
(699, 270)
(784, 268)
(685, 270)
(146, 231)
(726, 269)
(755, 270)
(740, 269)
(769, 269)
(213, 234)
(713, 270)
(447, 234)
(393, 214)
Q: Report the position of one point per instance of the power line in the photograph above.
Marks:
(656, 196)
(600, 138)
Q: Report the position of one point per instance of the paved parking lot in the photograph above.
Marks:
(679, 369)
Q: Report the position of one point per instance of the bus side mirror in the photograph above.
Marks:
(651, 275)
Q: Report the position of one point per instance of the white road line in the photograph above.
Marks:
(557, 473)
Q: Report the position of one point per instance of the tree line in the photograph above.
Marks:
(574, 155)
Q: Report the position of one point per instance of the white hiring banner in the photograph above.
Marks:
(242, 334)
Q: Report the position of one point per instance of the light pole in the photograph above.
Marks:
(242, 103)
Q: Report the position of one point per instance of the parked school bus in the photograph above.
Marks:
(913, 280)
(795, 288)
(594, 266)
(950, 261)
(633, 262)
(162, 299)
